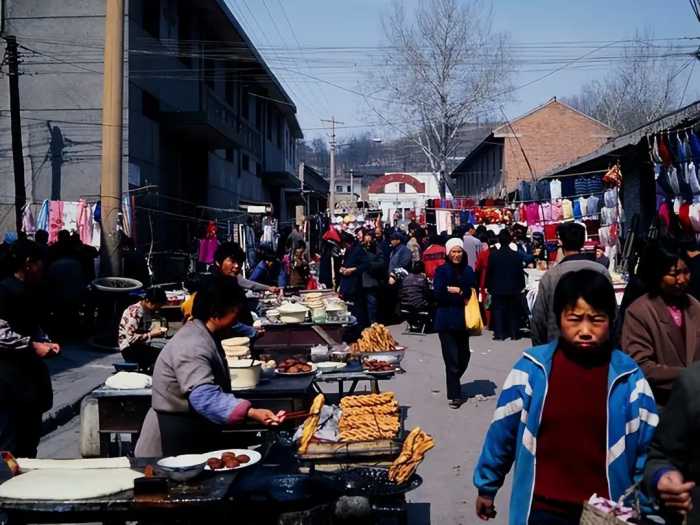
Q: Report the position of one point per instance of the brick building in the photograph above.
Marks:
(550, 135)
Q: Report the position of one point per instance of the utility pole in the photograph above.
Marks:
(16, 128)
(111, 183)
(333, 144)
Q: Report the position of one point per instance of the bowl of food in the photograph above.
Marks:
(182, 468)
(293, 313)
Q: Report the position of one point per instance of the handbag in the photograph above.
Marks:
(472, 315)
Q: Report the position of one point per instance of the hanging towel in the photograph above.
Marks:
(70, 216)
(84, 222)
(42, 220)
(55, 219)
(28, 224)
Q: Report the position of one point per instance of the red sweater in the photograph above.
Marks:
(572, 438)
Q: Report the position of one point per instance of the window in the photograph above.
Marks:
(269, 123)
(402, 187)
(245, 103)
(150, 106)
(339, 188)
(245, 162)
(151, 17)
(349, 190)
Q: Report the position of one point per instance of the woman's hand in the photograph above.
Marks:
(485, 508)
(266, 417)
(46, 349)
(158, 331)
(454, 289)
(674, 493)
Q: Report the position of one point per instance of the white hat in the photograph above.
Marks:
(453, 243)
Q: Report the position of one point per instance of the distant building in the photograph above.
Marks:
(550, 135)
(404, 193)
(205, 120)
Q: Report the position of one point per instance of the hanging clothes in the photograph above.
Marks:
(70, 216)
(443, 221)
(546, 211)
(583, 205)
(543, 190)
(55, 220)
(28, 223)
(84, 222)
(555, 189)
(592, 205)
(557, 213)
(42, 219)
(126, 216)
(567, 210)
(96, 212)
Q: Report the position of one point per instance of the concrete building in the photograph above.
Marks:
(550, 135)
(404, 193)
(206, 123)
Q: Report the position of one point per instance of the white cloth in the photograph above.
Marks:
(70, 216)
(555, 189)
(443, 221)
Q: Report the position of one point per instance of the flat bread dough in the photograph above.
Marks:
(128, 381)
(68, 485)
(27, 464)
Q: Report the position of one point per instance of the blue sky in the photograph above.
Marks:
(350, 27)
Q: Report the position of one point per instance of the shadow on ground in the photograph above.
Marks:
(418, 513)
(483, 387)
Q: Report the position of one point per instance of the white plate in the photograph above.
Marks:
(330, 366)
(287, 374)
(254, 456)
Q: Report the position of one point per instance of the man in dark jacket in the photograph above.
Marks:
(505, 282)
(400, 256)
(353, 266)
(374, 276)
(673, 464)
(25, 384)
(414, 294)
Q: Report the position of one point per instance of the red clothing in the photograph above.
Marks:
(433, 258)
(572, 440)
(482, 268)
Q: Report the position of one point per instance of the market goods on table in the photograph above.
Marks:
(233, 459)
(368, 417)
(311, 423)
(68, 485)
(374, 365)
(295, 365)
(375, 338)
(415, 446)
(292, 312)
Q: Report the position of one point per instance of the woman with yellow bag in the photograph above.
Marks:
(454, 287)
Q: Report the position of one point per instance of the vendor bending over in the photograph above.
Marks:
(192, 400)
(136, 337)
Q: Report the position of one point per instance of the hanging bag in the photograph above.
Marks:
(472, 315)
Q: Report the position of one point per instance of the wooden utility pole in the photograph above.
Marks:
(333, 144)
(111, 182)
(16, 129)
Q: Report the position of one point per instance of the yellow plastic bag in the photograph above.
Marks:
(472, 315)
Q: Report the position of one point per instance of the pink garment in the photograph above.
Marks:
(28, 223)
(557, 214)
(84, 222)
(676, 315)
(55, 220)
(533, 213)
(546, 211)
(207, 249)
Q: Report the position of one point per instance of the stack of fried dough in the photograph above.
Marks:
(368, 418)
(415, 446)
(375, 338)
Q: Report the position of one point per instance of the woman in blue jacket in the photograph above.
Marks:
(453, 284)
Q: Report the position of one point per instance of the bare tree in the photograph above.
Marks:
(646, 85)
(443, 66)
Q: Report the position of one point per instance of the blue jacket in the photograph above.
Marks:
(449, 314)
(351, 285)
(400, 257)
(632, 419)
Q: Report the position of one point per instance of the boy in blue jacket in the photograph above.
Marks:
(575, 415)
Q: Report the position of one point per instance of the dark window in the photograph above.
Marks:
(245, 103)
(402, 187)
(245, 162)
(339, 188)
(349, 190)
(269, 123)
(229, 154)
(230, 91)
(259, 108)
(279, 130)
(151, 106)
(151, 17)
(258, 168)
